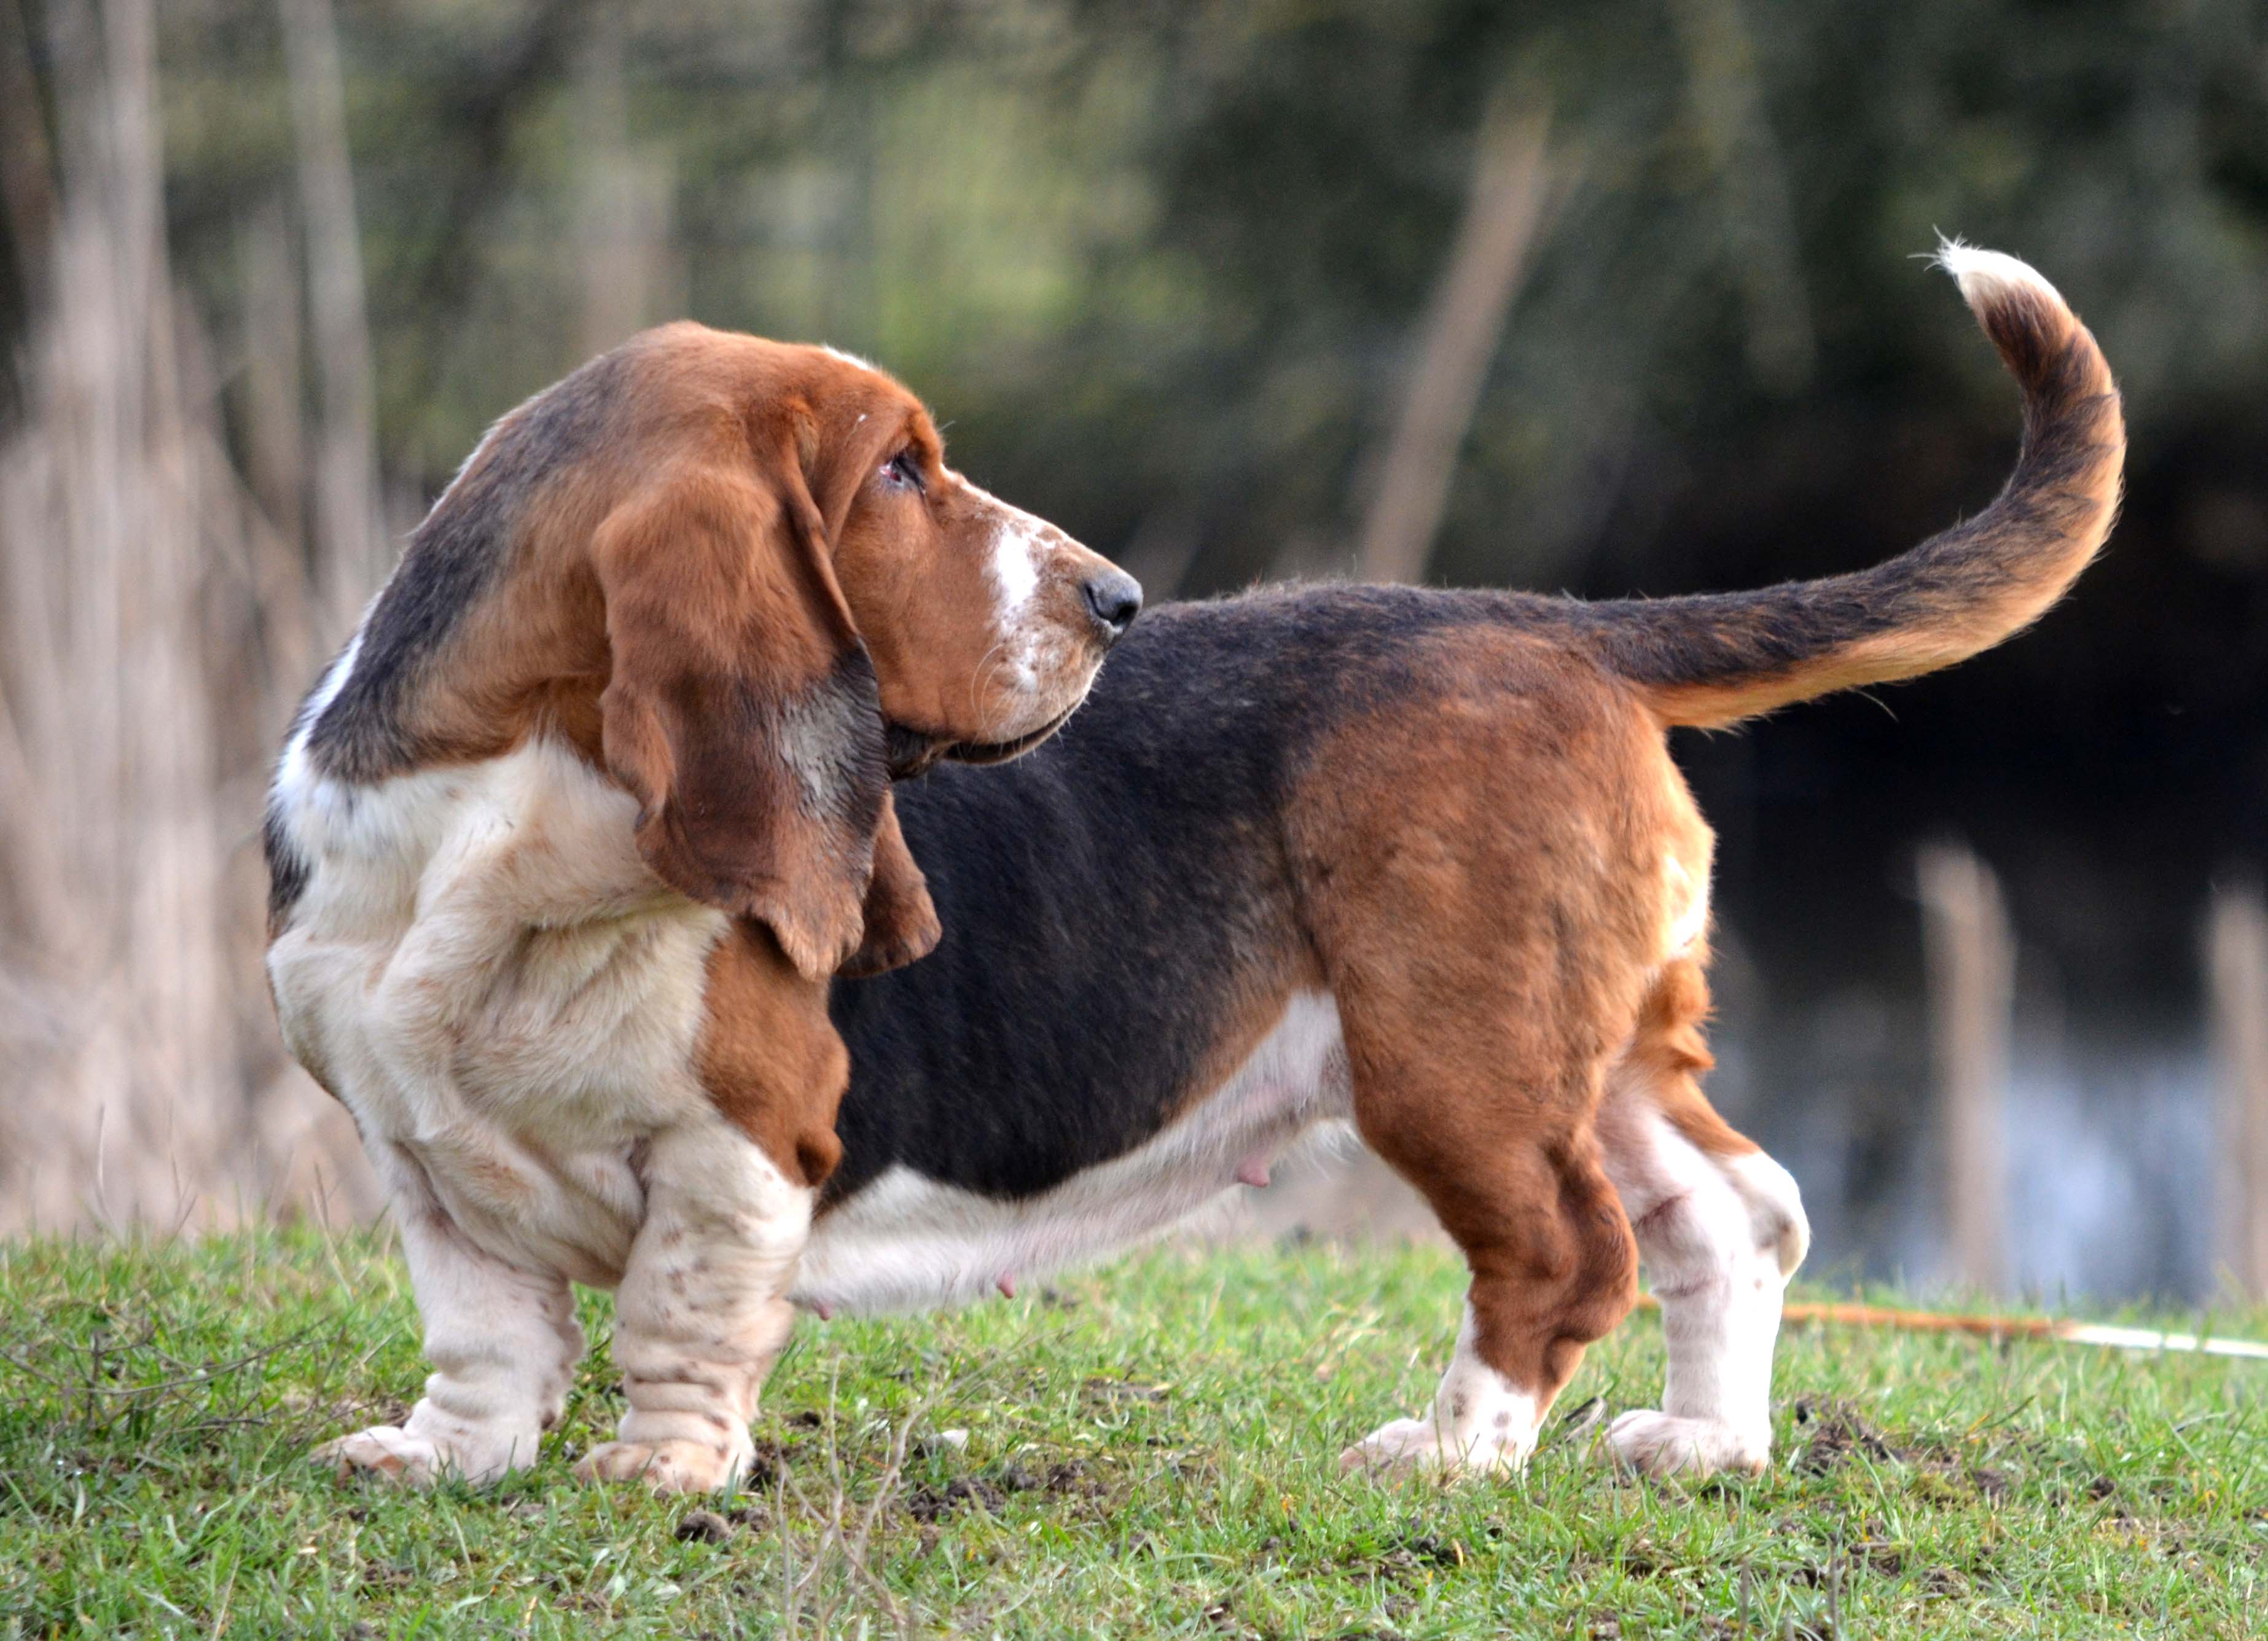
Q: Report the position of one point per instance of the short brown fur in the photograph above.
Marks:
(1479, 1035)
(1495, 965)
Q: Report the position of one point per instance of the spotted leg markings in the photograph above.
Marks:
(504, 1344)
(1480, 1422)
(701, 1313)
(1719, 1237)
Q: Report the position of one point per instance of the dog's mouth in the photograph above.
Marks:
(913, 751)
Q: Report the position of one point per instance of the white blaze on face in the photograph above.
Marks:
(1016, 547)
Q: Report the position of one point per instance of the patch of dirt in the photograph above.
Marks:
(764, 1467)
(928, 1503)
(990, 1490)
(1944, 1582)
(701, 1527)
(1836, 1431)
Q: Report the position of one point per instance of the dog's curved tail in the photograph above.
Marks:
(1713, 659)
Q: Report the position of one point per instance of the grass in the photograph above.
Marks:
(1150, 1450)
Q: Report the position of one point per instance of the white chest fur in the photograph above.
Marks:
(906, 1241)
(501, 992)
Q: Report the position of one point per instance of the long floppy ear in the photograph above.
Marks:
(901, 924)
(742, 710)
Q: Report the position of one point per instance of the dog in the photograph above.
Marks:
(567, 844)
(1420, 860)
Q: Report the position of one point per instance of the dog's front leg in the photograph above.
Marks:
(503, 1341)
(702, 1312)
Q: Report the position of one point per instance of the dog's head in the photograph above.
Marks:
(801, 597)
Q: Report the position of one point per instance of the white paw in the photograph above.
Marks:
(1661, 1444)
(672, 1465)
(1403, 1445)
(418, 1461)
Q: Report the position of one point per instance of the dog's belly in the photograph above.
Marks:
(500, 1044)
(906, 1241)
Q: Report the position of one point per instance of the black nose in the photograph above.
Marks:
(1116, 599)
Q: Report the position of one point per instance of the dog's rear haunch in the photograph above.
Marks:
(1420, 859)
(1417, 859)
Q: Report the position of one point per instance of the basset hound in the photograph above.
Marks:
(1419, 860)
(567, 844)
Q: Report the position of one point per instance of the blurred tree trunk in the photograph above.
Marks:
(274, 390)
(27, 177)
(114, 751)
(2236, 972)
(624, 226)
(351, 554)
(1971, 958)
(1503, 213)
(140, 593)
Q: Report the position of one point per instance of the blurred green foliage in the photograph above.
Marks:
(1161, 265)
(1161, 269)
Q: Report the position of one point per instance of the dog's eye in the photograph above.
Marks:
(904, 469)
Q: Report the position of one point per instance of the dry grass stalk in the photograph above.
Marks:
(351, 540)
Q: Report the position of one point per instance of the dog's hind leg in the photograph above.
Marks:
(1721, 1228)
(1553, 1269)
(1482, 883)
(1483, 1099)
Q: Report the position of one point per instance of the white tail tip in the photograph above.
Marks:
(1983, 275)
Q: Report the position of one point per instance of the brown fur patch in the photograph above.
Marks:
(900, 924)
(1480, 866)
(769, 1057)
(1668, 1055)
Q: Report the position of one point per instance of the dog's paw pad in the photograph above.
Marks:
(1405, 1446)
(386, 1450)
(1400, 1445)
(1662, 1444)
(673, 1465)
